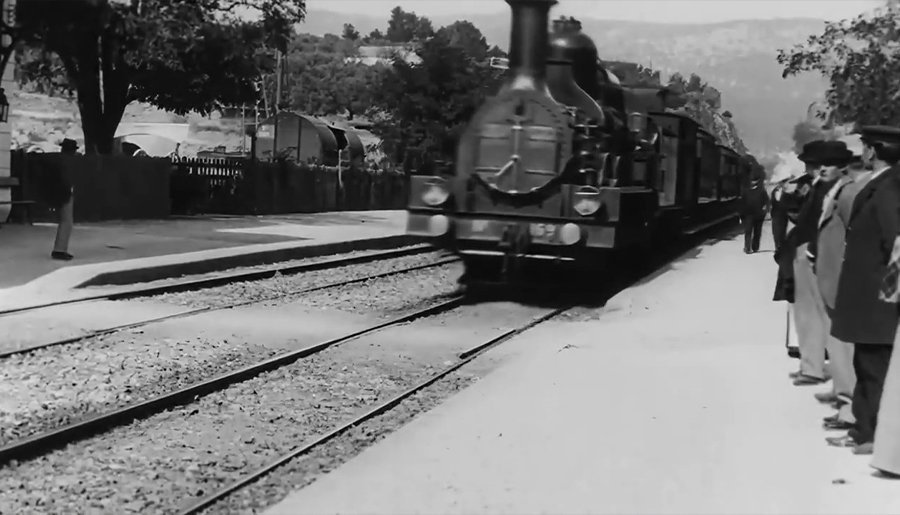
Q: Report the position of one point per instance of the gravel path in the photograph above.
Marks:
(166, 461)
(51, 387)
(287, 284)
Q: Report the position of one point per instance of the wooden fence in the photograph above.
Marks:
(234, 186)
(119, 187)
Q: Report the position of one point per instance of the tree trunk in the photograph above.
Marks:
(99, 130)
(101, 102)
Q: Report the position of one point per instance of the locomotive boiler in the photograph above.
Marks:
(566, 164)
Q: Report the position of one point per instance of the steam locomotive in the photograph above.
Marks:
(566, 164)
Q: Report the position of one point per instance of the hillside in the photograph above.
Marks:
(736, 57)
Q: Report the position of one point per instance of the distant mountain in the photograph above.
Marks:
(736, 57)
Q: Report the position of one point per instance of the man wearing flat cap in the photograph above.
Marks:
(860, 316)
(828, 258)
(809, 312)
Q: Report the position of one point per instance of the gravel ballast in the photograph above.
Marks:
(281, 285)
(58, 385)
(281, 265)
(162, 463)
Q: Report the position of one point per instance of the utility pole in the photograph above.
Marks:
(277, 101)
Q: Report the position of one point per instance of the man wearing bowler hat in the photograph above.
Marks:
(860, 316)
(66, 210)
(809, 312)
(829, 257)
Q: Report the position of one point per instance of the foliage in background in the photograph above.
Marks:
(703, 103)
(860, 60)
(421, 108)
(178, 55)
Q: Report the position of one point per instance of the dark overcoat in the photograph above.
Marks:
(859, 317)
(803, 232)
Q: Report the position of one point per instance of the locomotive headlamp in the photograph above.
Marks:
(436, 192)
(438, 225)
(570, 234)
(637, 122)
(587, 201)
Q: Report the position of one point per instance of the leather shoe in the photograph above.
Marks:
(826, 397)
(61, 256)
(864, 449)
(841, 441)
(837, 425)
(804, 380)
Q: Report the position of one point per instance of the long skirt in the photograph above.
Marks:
(886, 455)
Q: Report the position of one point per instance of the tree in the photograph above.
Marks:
(466, 36)
(805, 132)
(404, 27)
(633, 74)
(350, 32)
(179, 55)
(703, 103)
(860, 60)
(374, 36)
(422, 108)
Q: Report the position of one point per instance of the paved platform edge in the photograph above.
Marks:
(151, 273)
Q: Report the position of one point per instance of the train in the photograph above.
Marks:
(567, 165)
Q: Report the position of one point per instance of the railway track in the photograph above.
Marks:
(463, 359)
(140, 291)
(235, 483)
(197, 311)
(36, 445)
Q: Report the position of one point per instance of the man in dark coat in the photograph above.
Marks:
(780, 217)
(66, 209)
(754, 205)
(859, 316)
(796, 191)
(809, 307)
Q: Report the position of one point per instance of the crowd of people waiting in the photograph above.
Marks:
(839, 267)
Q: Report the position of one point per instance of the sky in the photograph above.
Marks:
(673, 11)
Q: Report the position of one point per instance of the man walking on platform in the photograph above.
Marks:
(754, 205)
(829, 256)
(859, 315)
(809, 310)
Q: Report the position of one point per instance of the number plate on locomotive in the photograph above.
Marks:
(543, 233)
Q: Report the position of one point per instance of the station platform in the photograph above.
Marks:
(128, 252)
(676, 399)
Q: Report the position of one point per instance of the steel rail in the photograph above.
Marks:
(192, 312)
(463, 359)
(40, 444)
(228, 278)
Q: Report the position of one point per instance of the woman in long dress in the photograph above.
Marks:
(886, 451)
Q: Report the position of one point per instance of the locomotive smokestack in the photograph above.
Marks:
(529, 42)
